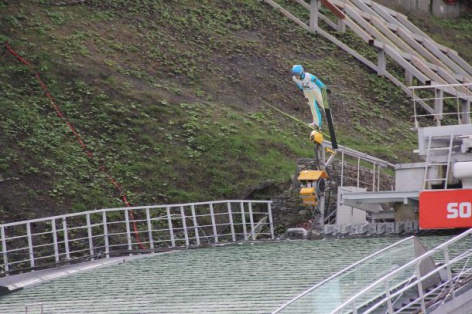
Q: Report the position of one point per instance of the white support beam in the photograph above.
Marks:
(439, 104)
(382, 63)
(314, 13)
(341, 26)
(288, 14)
(408, 77)
(455, 57)
(406, 65)
(371, 31)
(465, 111)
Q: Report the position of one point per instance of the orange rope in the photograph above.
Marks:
(77, 136)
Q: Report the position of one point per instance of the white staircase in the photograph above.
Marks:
(438, 161)
(394, 38)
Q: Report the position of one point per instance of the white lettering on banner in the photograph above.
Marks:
(459, 210)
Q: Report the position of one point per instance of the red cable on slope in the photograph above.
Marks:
(87, 151)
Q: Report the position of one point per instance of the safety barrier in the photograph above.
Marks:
(48, 242)
(423, 284)
(355, 171)
(456, 265)
(333, 291)
(452, 108)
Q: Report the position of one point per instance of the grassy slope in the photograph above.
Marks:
(171, 98)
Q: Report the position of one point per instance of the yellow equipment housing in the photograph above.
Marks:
(312, 175)
(309, 180)
(316, 137)
(308, 196)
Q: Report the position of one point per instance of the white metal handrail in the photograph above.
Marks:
(416, 283)
(344, 271)
(353, 159)
(351, 304)
(46, 242)
(444, 287)
(435, 97)
(381, 286)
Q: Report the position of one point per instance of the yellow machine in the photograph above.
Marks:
(316, 137)
(313, 182)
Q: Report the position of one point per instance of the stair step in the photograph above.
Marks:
(437, 148)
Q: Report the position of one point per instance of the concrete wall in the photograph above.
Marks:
(346, 215)
(409, 177)
(405, 212)
(435, 7)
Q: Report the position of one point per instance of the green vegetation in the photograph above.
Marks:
(171, 98)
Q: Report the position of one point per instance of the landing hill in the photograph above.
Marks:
(175, 99)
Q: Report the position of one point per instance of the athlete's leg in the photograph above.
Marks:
(315, 111)
(319, 98)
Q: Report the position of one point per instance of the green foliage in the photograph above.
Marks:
(167, 97)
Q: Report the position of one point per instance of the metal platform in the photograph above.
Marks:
(359, 199)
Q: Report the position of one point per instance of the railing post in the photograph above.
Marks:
(378, 178)
(389, 301)
(195, 225)
(271, 220)
(184, 225)
(171, 230)
(358, 171)
(4, 250)
(465, 114)
(90, 238)
(449, 272)
(251, 219)
(105, 234)
(213, 223)
(373, 177)
(342, 170)
(30, 244)
(243, 220)
(66, 238)
(128, 230)
(231, 224)
(314, 15)
(149, 225)
(54, 239)
(438, 105)
(420, 287)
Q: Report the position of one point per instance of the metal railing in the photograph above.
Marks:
(451, 104)
(393, 37)
(349, 278)
(355, 171)
(48, 242)
(408, 280)
(416, 286)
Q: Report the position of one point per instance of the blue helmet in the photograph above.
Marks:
(297, 70)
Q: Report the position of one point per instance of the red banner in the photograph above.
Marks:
(446, 209)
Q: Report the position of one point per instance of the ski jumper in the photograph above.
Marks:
(311, 87)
